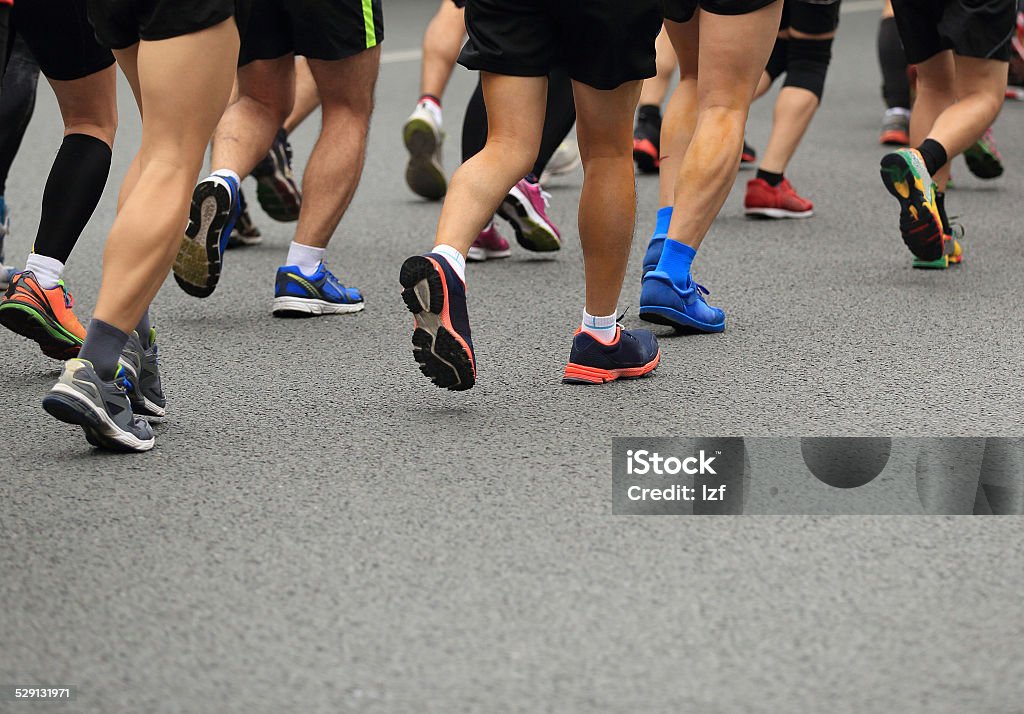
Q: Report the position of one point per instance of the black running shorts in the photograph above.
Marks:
(60, 37)
(812, 17)
(971, 28)
(683, 10)
(122, 23)
(315, 29)
(603, 43)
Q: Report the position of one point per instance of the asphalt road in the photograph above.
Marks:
(319, 529)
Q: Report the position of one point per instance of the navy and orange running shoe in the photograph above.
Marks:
(633, 353)
(647, 140)
(906, 177)
(44, 316)
(442, 343)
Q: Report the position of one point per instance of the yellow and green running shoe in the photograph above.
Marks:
(906, 177)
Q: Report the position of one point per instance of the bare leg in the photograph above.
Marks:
(246, 131)
(936, 92)
(177, 128)
(655, 88)
(515, 120)
(441, 45)
(681, 114)
(336, 164)
(608, 202)
(307, 97)
(728, 76)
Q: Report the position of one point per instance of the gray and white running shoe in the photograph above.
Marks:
(142, 372)
(101, 408)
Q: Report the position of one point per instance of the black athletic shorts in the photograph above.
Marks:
(603, 43)
(812, 17)
(971, 28)
(315, 29)
(122, 23)
(59, 36)
(683, 10)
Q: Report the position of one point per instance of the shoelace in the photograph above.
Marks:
(69, 301)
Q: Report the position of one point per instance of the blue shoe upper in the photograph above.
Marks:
(660, 291)
(321, 285)
(634, 348)
(455, 299)
(236, 210)
(653, 254)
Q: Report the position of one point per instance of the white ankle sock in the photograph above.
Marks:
(306, 257)
(434, 109)
(455, 259)
(48, 271)
(600, 328)
(228, 173)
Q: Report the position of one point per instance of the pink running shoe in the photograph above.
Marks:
(488, 245)
(525, 208)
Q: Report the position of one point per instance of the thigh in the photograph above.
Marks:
(270, 82)
(515, 109)
(61, 38)
(685, 38)
(606, 43)
(90, 100)
(348, 82)
(980, 75)
(604, 119)
(335, 29)
(729, 70)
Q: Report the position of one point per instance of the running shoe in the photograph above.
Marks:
(647, 146)
(442, 343)
(906, 177)
(564, 161)
(767, 201)
(895, 127)
(633, 353)
(983, 157)
(662, 302)
(488, 245)
(423, 138)
(211, 220)
(653, 254)
(44, 316)
(276, 190)
(525, 208)
(299, 295)
(748, 157)
(6, 271)
(142, 376)
(245, 232)
(101, 408)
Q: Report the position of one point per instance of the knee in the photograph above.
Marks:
(517, 155)
(98, 127)
(807, 61)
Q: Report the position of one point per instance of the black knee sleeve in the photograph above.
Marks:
(778, 60)
(807, 64)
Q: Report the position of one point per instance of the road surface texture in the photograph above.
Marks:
(320, 529)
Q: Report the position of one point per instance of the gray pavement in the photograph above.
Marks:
(319, 529)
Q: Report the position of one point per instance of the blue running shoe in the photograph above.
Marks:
(634, 353)
(663, 303)
(442, 343)
(215, 208)
(653, 254)
(299, 295)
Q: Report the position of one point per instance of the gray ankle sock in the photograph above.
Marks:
(103, 345)
(143, 329)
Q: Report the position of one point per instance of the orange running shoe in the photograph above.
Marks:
(42, 315)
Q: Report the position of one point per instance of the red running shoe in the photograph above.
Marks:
(766, 201)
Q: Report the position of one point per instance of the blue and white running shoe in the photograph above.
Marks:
(299, 295)
(215, 207)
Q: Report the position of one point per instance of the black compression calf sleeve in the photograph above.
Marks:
(807, 64)
(559, 117)
(17, 102)
(72, 191)
(778, 59)
(893, 62)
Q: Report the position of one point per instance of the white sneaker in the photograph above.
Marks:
(565, 160)
(6, 271)
(423, 138)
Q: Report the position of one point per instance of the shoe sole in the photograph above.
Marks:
(776, 213)
(64, 404)
(646, 156)
(310, 307)
(951, 259)
(442, 356)
(983, 164)
(680, 321)
(423, 174)
(479, 255)
(894, 138)
(532, 231)
(581, 374)
(235, 242)
(25, 320)
(921, 235)
(278, 198)
(198, 264)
